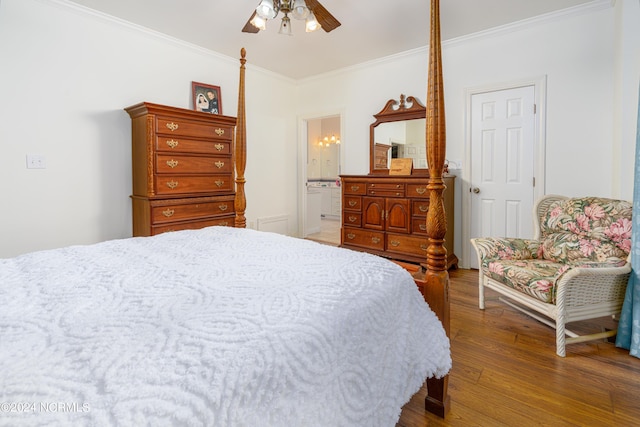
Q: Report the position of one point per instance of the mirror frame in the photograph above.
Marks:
(395, 111)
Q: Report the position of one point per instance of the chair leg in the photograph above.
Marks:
(560, 337)
(481, 290)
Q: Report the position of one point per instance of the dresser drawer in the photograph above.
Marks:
(385, 189)
(356, 188)
(419, 225)
(183, 127)
(185, 145)
(191, 210)
(193, 164)
(193, 225)
(363, 238)
(417, 190)
(354, 219)
(353, 203)
(420, 207)
(181, 184)
(408, 245)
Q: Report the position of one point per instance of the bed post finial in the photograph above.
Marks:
(436, 280)
(241, 149)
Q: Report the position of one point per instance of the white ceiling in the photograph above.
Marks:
(370, 29)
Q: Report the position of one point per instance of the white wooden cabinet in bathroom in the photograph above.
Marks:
(331, 205)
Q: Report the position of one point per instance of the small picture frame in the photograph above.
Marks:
(206, 98)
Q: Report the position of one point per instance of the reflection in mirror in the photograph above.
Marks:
(323, 151)
(399, 132)
(403, 139)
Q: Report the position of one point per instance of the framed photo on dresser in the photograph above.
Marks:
(206, 98)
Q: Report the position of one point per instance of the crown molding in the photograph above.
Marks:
(593, 6)
(115, 21)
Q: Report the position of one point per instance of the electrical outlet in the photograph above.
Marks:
(36, 161)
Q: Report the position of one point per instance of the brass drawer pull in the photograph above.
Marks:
(351, 236)
(399, 186)
(172, 184)
(424, 247)
(219, 182)
(219, 132)
(375, 240)
(423, 227)
(219, 164)
(398, 194)
(168, 213)
(424, 208)
(395, 243)
(223, 207)
(172, 143)
(172, 126)
(224, 223)
(355, 187)
(421, 190)
(353, 218)
(219, 147)
(352, 203)
(172, 163)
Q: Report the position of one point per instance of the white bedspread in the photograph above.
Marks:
(214, 327)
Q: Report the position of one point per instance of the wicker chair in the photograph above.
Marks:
(576, 267)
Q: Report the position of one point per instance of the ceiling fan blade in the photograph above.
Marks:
(325, 19)
(249, 27)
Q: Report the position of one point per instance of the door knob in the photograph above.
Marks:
(476, 190)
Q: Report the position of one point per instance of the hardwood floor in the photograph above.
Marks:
(506, 373)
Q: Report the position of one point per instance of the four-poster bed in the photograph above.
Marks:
(227, 326)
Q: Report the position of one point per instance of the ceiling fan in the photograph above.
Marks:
(315, 15)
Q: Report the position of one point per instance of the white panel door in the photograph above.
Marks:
(502, 164)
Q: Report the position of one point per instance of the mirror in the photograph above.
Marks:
(323, 151)
(399, 132)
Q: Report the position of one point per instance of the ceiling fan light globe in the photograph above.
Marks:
(267, 9)
(300, 9)
(259, 23)
(285, 26)
(312, 23)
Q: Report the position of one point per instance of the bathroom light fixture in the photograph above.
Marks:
(328, 140)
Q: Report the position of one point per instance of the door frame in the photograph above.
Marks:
(303, 153)
(539, 84)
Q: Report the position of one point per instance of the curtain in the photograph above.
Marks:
(629, 325)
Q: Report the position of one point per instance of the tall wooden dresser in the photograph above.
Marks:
(387, 216)
(183, 170)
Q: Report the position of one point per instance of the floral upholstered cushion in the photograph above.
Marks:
(594, 228)
(533, 277)
(537, 277)
(504, 248)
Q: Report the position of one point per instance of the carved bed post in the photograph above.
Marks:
(241, 149)
(436, 281)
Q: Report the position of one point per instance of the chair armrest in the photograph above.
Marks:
(588, 285)
(492, 248)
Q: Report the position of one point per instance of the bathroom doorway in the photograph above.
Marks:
(324, 154)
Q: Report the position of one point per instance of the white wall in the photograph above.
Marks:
(627, 77)
(67, 74)
(576, 52)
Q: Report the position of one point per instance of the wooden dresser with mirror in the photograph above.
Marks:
(386, 214)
